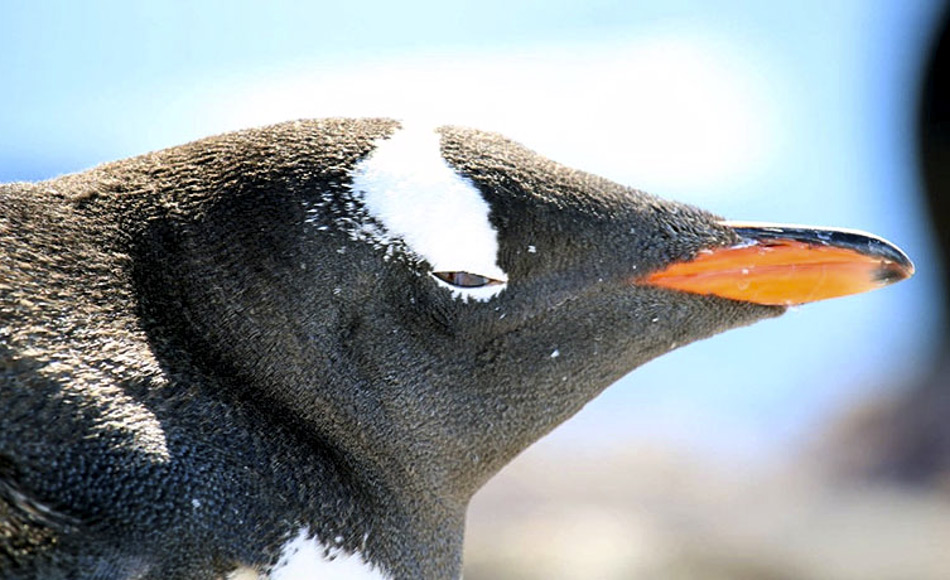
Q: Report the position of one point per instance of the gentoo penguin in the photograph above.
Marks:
(297, 351)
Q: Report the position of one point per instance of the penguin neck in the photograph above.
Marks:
(256, 354)
(342, 489)
(354, 507)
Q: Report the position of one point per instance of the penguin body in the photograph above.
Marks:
(319, 338)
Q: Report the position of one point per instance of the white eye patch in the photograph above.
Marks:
(415, 195)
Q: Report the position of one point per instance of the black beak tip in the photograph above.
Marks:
(892, 271)
(895, 265)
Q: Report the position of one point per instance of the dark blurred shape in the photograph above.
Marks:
(907, 439)
(933, 134)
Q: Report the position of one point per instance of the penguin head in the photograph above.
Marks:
(427, 302)
(488, 293)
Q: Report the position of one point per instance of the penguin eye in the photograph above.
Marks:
(465, 279)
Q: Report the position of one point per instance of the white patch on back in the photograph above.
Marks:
(303, 558)
(416, 196)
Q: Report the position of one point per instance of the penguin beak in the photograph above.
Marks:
(784, 265)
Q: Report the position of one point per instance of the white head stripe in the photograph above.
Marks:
(416, 196)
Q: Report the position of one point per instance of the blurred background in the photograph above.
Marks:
(816, 445)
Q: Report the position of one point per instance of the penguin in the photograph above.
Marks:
(297, 351)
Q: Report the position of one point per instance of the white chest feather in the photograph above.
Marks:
(416, 196)
(305, 558)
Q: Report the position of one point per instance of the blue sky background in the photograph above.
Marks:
(798, 112)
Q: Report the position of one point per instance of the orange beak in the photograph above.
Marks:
(784, 265)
